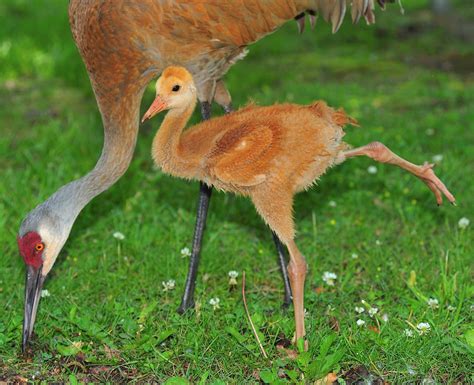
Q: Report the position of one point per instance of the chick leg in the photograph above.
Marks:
(379, 152)
(223, 98)
(297, 271)
(275, 207)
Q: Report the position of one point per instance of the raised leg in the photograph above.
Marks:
(379, 152)
(223, 98)
(187, 301)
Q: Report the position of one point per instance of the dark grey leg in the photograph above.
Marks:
(282, 260)
(187, 301)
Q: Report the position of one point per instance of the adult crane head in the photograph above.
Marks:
(174, 88)
(41, 237)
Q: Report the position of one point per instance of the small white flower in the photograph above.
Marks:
(329, 277)
(360, 322)
(214, 302)
(463, 223)
(45, 293)
(118, 235)
(378, 242)
(359, 309)
(451, 308)
(373, 311)
(332, 204)
(185, 252)
(423, 327)
(233, 274)
(354, 256)
(372, 170)
(385, 317)
(408, 333)
(471, 307)
(437, 158)
(233, 277)
(168, 285)
(433, 303)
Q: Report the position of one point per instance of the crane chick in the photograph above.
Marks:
(266, 153)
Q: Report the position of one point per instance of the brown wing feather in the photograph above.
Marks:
(239, 157)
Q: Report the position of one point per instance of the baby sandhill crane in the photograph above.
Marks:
(266, 153)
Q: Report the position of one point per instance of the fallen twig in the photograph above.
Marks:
(250, 319)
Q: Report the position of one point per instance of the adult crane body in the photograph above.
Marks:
(126, 43)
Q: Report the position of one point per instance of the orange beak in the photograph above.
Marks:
(157, 106)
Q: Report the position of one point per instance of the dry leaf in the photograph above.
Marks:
(379, 203)
(328, 380)
(256, 374)
(289, 353)
(98, 370)
(319, 290)
(375, 329)
(111, 353)
(412, 279)
(334, 324)
(282, 341)
(361, 375)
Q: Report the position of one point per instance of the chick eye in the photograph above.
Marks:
(39, 247)
(176, 88)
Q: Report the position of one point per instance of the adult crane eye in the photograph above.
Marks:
(176, 88)
(39, 247)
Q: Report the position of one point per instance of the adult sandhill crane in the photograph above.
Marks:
(266, 153)
(124, 44)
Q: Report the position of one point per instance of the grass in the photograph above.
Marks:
(108, 319)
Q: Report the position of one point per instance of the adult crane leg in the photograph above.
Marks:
(287, 298)
(205, 95)
(187, 301)
(222, 97)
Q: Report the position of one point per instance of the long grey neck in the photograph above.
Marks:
(120, 133)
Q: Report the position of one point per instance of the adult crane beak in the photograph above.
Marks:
(157, 106)
(34, 283)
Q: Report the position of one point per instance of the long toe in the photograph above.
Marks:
(433, 182)
(436, 192)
